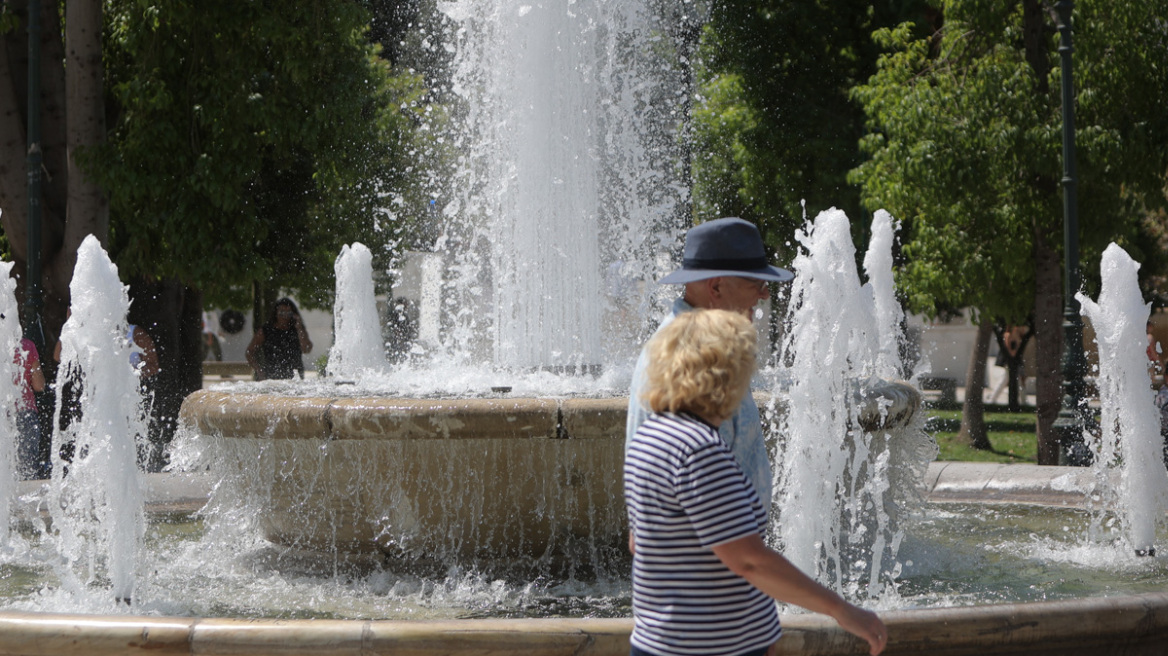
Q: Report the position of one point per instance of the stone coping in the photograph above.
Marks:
(1135, 624)
(997, 483)
(945, 482)
(258, 415)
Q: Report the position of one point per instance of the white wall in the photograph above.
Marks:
(318, 323)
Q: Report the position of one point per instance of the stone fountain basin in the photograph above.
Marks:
(487, 478)
(1135, 625)
(1128, 625)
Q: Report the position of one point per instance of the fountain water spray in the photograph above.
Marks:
(566, 191)
(359, 349)
(842, 487)
(96, 499)
(11, 372)
(1130, 439)
(887, 312)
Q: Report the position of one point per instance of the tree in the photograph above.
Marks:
(965, 145)
(774, 125)
(252, 141)
(61, 230)
(247, 142)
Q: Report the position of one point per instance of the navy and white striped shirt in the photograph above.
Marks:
(685, 494)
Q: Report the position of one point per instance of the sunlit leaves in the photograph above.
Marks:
(965, 145)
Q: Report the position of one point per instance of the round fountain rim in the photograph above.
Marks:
(1088, 624)
(1131, 624)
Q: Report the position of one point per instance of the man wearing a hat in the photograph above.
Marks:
(724, 267)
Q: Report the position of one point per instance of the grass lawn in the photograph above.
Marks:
(1011, 435)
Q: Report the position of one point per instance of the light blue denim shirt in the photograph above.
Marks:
(742, 432)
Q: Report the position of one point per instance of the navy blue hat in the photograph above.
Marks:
(724, 247)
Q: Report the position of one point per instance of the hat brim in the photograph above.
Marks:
(682, 276)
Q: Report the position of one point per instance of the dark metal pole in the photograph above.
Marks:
(32, 300)
(1072, 418)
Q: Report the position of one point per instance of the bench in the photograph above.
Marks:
(226, 369)
(947, 388)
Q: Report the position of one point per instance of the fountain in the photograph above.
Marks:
(359, 348)
(1049, 627)
(844, 484)
(1130, 426)
(476, 486)
(97, 507)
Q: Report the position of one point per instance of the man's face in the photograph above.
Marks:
(742, 294)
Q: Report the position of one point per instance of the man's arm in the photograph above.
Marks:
(149, 354)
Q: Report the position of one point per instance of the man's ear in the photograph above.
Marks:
(714, 287)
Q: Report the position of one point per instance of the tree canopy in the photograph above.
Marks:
(774, 125)
(965, 145)
(250, 142)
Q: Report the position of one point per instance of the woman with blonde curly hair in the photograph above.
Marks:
(703, 580)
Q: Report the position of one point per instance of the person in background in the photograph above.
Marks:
(1155, 364)
(724, 267)
(1012, 342)
(281, 342)
(143, 355)
(31, 465)
(212, 341)
(704, 582)
(1161, 400)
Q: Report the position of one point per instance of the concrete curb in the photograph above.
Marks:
(1123, 625)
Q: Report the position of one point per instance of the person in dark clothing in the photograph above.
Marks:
(276, 348)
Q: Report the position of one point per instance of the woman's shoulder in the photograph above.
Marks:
(685, 426)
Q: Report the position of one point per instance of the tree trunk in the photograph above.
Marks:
(52, 94)
(87, 211)
(1013, 370)
(172, 315)
(1048, 293)
(13, 150)
(1048, 344)
(973, 427)
(13, 155)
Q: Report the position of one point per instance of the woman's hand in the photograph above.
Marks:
(866, 625)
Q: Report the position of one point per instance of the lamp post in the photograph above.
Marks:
(1072, 418)
(32, 300)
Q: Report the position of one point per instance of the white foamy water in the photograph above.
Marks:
(10, 394)
(842, 490)
(1130, 439)
(358, 348)
(566, 194)
(887, 312)
(96, 501)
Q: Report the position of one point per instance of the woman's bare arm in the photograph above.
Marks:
(770, 572)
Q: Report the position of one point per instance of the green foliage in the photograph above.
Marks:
(8, 19)
(966, 147)
(773, 124)
(251, 141)
(1011, 434)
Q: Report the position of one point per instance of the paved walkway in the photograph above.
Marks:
(945, 482)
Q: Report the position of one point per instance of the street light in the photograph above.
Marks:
(1072, 418)
(32, 299)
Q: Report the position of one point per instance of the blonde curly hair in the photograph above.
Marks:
(701, 362)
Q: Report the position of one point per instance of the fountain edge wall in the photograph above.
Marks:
(1132, 625)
